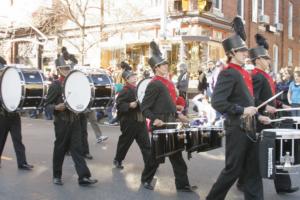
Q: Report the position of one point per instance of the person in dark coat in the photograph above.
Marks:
(234, 98)
(264, 89)
(132, 122)
(11, 122)
(68, 135)
(159, 105)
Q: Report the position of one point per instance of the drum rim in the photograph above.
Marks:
(284, 133)
(168, 130)
(1, 82)
(93, 91)
(64, 96)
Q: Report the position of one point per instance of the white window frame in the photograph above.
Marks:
(242, 9)
(218, 7)
(276, 11)
(262, 11)
(254, 10)
(290, 56)
(290, 21)
(275, 58)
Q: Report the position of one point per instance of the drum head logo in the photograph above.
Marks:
(80, 107)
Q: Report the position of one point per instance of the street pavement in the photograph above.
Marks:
(114, 184)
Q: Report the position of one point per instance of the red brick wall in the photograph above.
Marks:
(280, 38)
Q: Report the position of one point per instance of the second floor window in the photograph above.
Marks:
(261, 6)
(290, 56)
(217, 4)
(276, 11)
(290, 21)
(275, 58)
(240, 8)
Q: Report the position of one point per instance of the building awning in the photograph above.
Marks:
(194, 38)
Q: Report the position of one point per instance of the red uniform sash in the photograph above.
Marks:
(246, 76)
(267, 76)
(169, 85)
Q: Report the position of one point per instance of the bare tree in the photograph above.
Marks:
(82, 16)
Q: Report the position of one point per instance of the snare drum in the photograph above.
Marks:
(22, 89)
(295, 120)
(194, 140)
(283, 151)
(77, 91)
(211, 137)
(102, 91)
(166, 142)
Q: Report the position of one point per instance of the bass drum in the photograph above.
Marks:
(77, 92)
(22, 88)
(102, 91)
(141, 89)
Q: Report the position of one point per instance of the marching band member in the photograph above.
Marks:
(11, 122)
(132, 122)
(233, 97)
(67, 133)
(264, 88)
(159, 105)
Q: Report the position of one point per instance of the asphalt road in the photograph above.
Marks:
(38, 137)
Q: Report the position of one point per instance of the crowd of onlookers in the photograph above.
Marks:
(287, 80)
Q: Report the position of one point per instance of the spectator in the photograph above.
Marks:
(293, 95)
(202, 84)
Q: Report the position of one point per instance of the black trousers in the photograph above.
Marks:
(241, 154)
(133, 130)
(178, 165)
(84, 135)
(12, 124)
(68, 137)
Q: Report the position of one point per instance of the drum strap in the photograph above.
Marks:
(248, 124)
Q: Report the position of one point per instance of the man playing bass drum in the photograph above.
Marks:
(68, 135)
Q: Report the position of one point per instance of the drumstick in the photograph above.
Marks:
(287, 109)
(268, 100)
(172, 123)
(276, 120)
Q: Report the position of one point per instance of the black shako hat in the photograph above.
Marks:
(261, 51)
(236, 42)
(127, 73)
(156, 58)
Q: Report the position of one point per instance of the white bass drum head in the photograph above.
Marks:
(141, 89)
(77, 91)
(11, 89)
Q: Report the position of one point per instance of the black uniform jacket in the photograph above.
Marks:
(157, 102)
(54, 97)
(231, 94)
(125, 97)
(262, 90)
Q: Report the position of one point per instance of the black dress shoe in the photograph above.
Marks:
(148, 186)
(86, 181)
(57, 181)
(290, 190)
(26, 167)
(88, 156)
(118, 164)
(187, 188)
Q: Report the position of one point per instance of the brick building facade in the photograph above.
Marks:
(277, 20)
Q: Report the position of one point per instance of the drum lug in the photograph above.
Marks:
(155, 137)
(287, 160)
